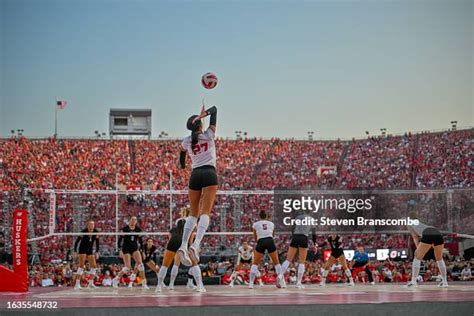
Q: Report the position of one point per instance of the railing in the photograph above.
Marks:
(330, 139)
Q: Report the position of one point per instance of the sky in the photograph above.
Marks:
(338, 68)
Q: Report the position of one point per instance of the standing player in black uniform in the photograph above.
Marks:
(129, 246)
(427, 237)
(337, 255)
(177, 261)
(299, 243)
(86, 252)
(201, 147)
(148, 251)
(172, 247)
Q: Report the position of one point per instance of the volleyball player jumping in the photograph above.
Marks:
(130, 246)
(425, 238)
(86, 252)
(203, 181)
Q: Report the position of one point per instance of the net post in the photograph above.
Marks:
(171, 199)
(116, 215)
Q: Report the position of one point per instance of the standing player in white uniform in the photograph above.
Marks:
(201, 147)
(245, 256)
(263, 233)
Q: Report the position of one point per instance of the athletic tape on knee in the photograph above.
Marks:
(80, 271)
(325, 273)
(124, 269)
(348, 273)
(93, 271)
(141, 267)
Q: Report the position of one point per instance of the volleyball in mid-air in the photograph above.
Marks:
(209, 80)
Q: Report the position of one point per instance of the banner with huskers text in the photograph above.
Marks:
(17, 280)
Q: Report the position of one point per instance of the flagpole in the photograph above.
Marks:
(56, 118)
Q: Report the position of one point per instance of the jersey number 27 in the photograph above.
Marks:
(199, 148)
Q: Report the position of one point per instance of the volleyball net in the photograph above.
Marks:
(64, 213)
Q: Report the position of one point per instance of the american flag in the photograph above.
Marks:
(61, 104)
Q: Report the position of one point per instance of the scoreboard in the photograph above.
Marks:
(130, 122)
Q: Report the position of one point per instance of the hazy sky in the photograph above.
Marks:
(285, 67)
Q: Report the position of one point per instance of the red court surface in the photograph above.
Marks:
(339, 294)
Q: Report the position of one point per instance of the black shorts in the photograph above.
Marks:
(337, 253)
(299, 241)
(174, 243)
(243, 261)
(267, 244)
(147, 259)
(202, 177)
(86, 251)
(129, 249)
(432, 236)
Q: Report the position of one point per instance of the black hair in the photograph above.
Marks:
(262, 214)
(194, 137)
(194, 128)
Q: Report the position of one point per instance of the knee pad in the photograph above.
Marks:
(80, 271)
(141, 267)
(124, 269)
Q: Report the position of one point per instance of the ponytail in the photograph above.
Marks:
(194, 137)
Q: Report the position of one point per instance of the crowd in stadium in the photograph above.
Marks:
(427, 160)
(430, 160)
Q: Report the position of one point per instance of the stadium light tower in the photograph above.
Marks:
(383, 131)
(454, 125)
(163, 134)
(238, 135)
(99, 134)
(310, 135)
